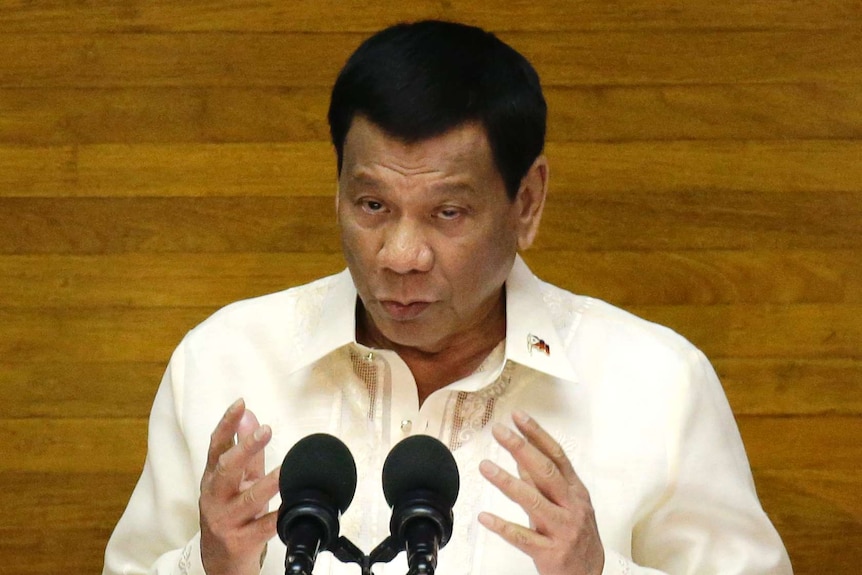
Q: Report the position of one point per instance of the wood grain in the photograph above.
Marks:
(333, 16)
(202, 225)
(65, 500)
(82, 547)
(78, 390)
(155, 280)
(54, 117)
(67, 445)
(125, 389)
(767, 331)
(149, 335)
(562, 59)
(624, 278)
(811, 508)
(790, 387)
(617, 221)
(88, 446)
(161, 159)
(817, 514)
(308, 168)
(819, 442)
(700, 220)
(705, 276)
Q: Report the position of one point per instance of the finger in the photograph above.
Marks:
(255, 498)
(545, 443)
(252, 534)
(222, 437)
(541, 511)
(542, 471)
(263, 528)
(248, 424)
(229, 516)
(233, 467)
(525, 475)
(526, 540)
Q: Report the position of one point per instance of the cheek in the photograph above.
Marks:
(360, 252)
(353, 238)
(481, 268)
(351, 247)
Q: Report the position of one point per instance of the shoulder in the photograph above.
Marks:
(597, 333)
(573, 312)
(632, 369)
(276, 316)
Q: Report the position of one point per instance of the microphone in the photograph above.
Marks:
(420, 483)
(317, 483)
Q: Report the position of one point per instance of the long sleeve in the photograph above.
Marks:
(162, 512)
(710, 519)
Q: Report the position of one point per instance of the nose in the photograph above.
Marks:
(405, 248)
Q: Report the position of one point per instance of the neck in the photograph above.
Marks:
(459, 357)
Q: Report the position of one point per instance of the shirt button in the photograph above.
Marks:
(406, 425)
(370, 357)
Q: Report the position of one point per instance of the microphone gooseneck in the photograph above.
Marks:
(420, 483)
(317, 484)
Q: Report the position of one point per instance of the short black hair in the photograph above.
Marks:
(419, 80)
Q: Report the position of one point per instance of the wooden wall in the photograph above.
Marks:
(159, 159)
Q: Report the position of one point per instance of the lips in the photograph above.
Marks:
(404, 311)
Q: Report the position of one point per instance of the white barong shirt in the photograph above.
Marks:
(638, 410)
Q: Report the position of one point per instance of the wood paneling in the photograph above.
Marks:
(817, 513)
(307, 168)
(626, 278)
(333, 16)
(62, 116)
(52, 553)
(706, 276)
(78, 390)
(146, 59)
(159, 160)
(790, 387)
(667, 221)
(66, 445)
(764, 330)
(134, 334)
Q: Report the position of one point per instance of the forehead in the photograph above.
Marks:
(463, 151)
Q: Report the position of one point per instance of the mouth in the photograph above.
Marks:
(404, 311)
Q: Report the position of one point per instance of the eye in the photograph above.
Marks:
(371, 206)
(449, 213)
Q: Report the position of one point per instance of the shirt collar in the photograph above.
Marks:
(531, 338)
(337, 325)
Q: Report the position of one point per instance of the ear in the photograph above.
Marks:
(337, 198)
(530, 202)
(337, 183)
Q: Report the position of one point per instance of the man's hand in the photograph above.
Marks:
(563, 538)
(235, 525)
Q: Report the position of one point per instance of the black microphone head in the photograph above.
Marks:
(319, 462)
(420, 463)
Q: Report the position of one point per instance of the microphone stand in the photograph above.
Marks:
(345, 551)
(384, 553)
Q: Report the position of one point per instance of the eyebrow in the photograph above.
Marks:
(364, 178)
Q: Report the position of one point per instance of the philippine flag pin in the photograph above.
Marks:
(537, 344)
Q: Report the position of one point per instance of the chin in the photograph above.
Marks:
(409, 334)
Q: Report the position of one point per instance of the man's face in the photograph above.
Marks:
(429, 233)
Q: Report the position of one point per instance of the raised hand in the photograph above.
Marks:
(235, 492)
(562, 537)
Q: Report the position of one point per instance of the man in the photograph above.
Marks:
(625, 457)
